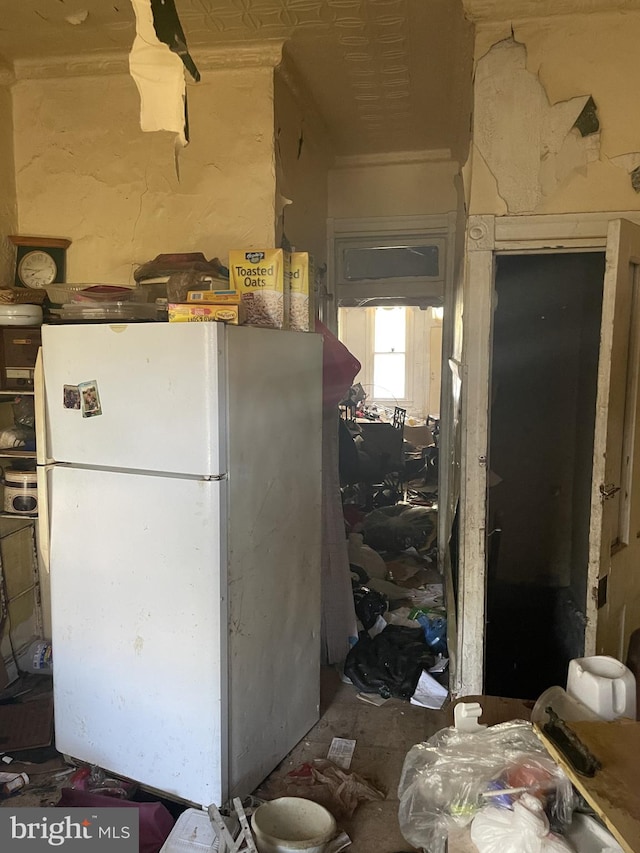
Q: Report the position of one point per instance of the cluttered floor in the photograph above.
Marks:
(369, 746)
(381, 736)
(367, 759)
(391, 520)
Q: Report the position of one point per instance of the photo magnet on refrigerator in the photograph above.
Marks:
(71, 397)
(89, 399)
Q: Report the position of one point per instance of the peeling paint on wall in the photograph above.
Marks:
(529, 145)
(631, 165)
(588, 121)
(156, 64)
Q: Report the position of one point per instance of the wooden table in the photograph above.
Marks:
(614, 791)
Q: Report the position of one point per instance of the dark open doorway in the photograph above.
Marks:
(546, 335)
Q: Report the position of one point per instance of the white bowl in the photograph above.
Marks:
(291, 825)
(20, 315)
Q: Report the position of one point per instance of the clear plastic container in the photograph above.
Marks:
(568, 708)
(108, 293)
(87, 312)
(82, 292)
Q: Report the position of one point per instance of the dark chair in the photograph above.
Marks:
(399, 417)
(348, 412)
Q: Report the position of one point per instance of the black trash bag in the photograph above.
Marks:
(369, 605)
(396, 528)
(389, 663)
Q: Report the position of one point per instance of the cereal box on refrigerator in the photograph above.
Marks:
(259, 277)
(301, 282)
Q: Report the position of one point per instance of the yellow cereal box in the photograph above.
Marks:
(214, 297)
(186, 313)
(259, 277)
(301, 297)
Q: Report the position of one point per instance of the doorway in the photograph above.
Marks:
(543, 384)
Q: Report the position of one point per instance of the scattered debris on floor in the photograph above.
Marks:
(399, 603)
(340, 791)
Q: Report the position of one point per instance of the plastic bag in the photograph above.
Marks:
(435, 631)
(448, 779)
(369, 604)
(341, 791)
(12, 437)
(24, 412)
(523, 829)
(389, 663)
(155, 820)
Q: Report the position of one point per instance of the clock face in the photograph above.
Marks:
(37, 269)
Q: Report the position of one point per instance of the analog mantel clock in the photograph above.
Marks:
(40, 260)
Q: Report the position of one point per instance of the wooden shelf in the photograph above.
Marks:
(16, 393)
(17, 515)
(17, 454)
(40, 242)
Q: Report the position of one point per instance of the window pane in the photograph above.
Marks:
(388, 376)
(391, 262)
(390, 329)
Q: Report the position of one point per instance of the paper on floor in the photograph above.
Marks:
(429, 693)
(372, 699)
(341, 752)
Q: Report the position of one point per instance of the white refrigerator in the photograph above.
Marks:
(179, 493)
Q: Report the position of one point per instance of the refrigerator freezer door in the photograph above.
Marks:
(139, 636)
(151, 396)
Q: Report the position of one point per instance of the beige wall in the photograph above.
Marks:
(303, 156)
(393, 189)
(90, 174)
(525, 158)
(8, 211)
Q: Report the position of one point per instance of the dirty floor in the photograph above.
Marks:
(383, 737)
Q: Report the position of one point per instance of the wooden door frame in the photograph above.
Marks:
(486, 237)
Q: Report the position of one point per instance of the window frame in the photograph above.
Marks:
(372, 352)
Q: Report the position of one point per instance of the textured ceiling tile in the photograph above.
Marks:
(230, 21)
(400, 51)
(311, 16)
(262, 18)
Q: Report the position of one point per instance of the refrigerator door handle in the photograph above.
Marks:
(40, 412)
(43, 545)
(42, 468)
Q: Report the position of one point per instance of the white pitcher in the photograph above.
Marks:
(604, 685)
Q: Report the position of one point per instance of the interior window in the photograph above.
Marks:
(399, 348)
(389, 356)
